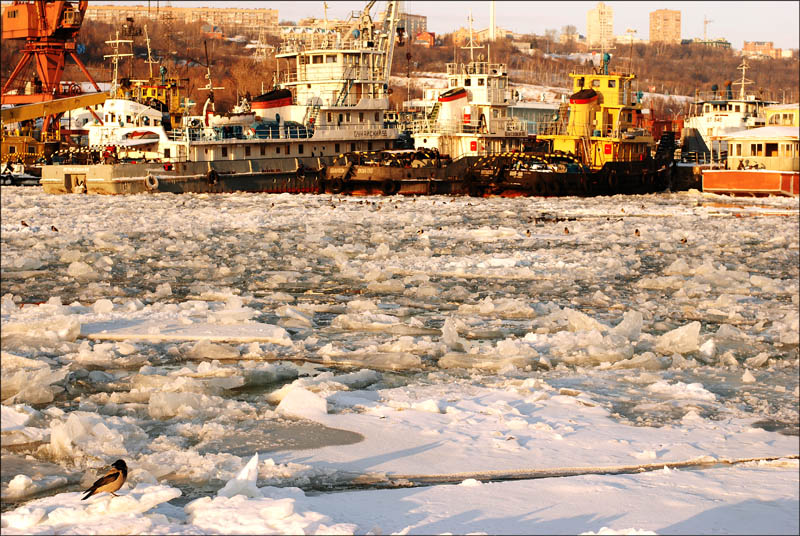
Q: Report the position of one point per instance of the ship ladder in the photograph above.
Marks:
(434, 112)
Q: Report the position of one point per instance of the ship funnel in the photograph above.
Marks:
(728, 89)
(714, 89)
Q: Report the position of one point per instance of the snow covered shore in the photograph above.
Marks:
(443, 364)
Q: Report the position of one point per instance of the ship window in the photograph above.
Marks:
(316, 58)
(352, 147)
(377, 116)
(756, 149)
(737, 108)
(224, 151)
(247, 150)
(773, 120)
(360, 117)
(630, 117)
(468, 82)
(612, 83)
(330, 59)
(707, 108)
(330, 117)
(369, 146)
(336, 148)
(737, 149)
(264, 150)
(772, 149)
(481, 81)
(31, 149)
(300, 149)
(127, 119)
(347, 117)
(452, 83)
(595, 83)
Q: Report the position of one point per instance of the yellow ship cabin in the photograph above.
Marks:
(602, 122)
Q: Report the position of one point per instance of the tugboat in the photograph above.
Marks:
(596, 146)
(331, 99)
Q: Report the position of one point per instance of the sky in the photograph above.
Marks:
(766, 21)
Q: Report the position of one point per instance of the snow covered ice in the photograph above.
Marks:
(439, 368)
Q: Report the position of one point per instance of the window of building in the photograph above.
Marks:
(224, 151)
(247, 150)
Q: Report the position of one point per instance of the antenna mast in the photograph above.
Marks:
(745, 81)
(115, 59)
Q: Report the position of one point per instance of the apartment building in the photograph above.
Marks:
(225, 18)
(665, 26)
(600, 26)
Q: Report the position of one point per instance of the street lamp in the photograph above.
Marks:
(630, 32)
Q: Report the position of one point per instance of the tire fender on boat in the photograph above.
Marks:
(337, 185)
(151, 182)
(388, 187)
(213, 177)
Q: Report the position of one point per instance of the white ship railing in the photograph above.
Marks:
(476, 67)
(505, 127)
(311, 42)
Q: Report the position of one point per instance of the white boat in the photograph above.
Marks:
(471, 117)
(763, 160)
(715, 114)
(333, 89)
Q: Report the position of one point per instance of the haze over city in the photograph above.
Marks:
(766, 21)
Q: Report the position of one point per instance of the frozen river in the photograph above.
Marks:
(352, 342)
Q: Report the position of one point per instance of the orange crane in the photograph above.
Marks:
(49, 28)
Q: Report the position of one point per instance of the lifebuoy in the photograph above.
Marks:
(151, 182)
(337, 185)
(213, 177)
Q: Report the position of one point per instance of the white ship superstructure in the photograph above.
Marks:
(471, 116)
(719, 113)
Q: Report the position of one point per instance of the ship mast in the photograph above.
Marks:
(745, 81)
(115, 59)
(471, 44)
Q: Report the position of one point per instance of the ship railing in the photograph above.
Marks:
(508, 127)
(476, 67)
(548, 128)
(267, 131)
(313, 41)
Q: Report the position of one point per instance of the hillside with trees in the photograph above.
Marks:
(667, 69)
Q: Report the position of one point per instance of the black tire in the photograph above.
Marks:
(213, 177)
(388, 187)
(337, 185)
(539, 187)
